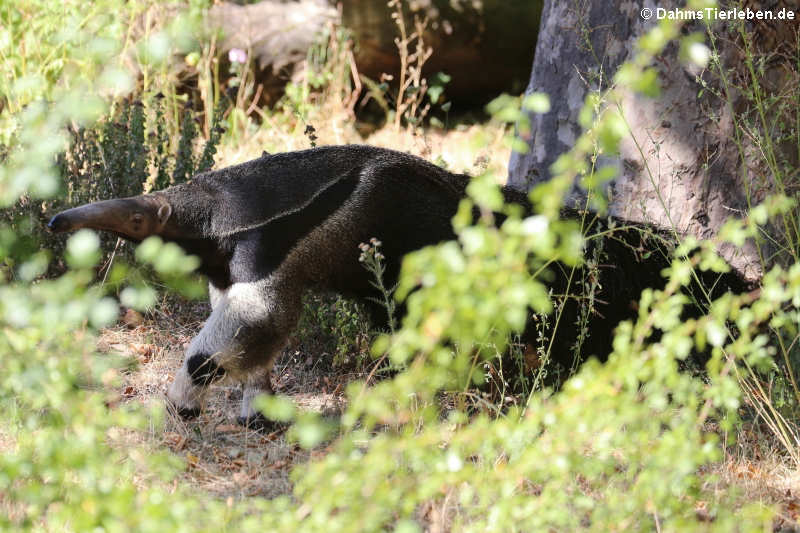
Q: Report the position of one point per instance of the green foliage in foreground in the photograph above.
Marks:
(57, 470)
(619, 447)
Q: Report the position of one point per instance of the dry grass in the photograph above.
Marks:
(469, 149)
(757, 470)
(221, 457)
(225, 460)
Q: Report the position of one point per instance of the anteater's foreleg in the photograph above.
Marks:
(247, 329)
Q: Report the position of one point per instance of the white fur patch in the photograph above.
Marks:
(253, 308)
(183, 393)
(241, 305)
(215, 295)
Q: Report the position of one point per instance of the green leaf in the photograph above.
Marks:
(139, 298)
(610, 132)
(104, 313)
(434, 93)
(310, 430)
(149, 249)
(278, 408)
(647, 83)
(537, 102)
(83, 249)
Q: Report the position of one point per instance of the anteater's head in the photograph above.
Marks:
(134, 218)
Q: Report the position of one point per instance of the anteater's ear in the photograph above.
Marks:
(164, 213)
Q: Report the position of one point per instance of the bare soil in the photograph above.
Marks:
(221, 457)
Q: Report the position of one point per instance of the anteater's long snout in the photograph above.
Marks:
(58, 224)
(99, 215)
(107, 215)
(135, 218)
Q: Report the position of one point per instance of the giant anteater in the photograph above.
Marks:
(269, 229)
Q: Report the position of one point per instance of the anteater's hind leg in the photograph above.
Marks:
(248, 327)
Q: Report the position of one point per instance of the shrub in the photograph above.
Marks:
(336, 327)
(621, 446)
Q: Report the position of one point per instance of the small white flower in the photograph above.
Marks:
(699, 54)
(454, 462)
(237, 55)
(535, 225)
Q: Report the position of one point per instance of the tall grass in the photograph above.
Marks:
(767, 139)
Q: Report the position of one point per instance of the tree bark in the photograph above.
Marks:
(680, 167)
(483, 45)
(278, 35)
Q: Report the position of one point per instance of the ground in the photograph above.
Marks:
(228, 461)
(221, 457)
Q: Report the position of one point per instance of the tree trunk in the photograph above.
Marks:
(484, 46)
(278, 35)
(680, 167)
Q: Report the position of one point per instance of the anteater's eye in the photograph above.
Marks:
(137, 218)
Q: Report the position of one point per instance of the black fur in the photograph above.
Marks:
(404, 201)
(260, 423)
(203, 369)
(401, 199)
(630, 260)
